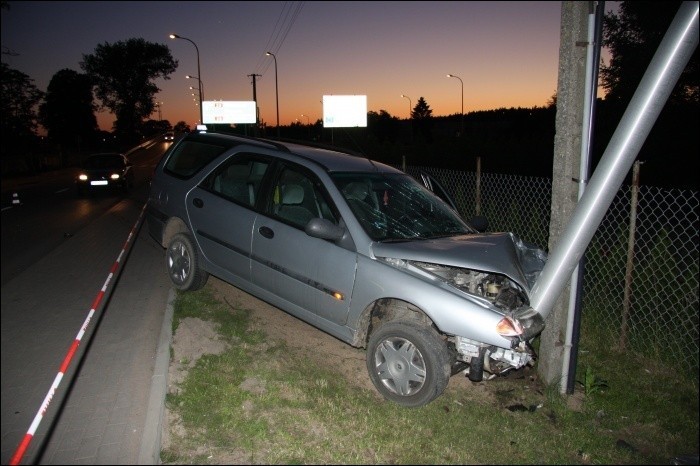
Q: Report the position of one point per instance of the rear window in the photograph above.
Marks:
(189, 157)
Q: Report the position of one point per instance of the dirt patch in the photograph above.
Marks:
(193, 339)
(313, 344)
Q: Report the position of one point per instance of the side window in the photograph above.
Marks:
(238, 179)
(298, 197)
(191, 156)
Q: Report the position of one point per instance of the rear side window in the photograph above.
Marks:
(191, 156)
(238, 179)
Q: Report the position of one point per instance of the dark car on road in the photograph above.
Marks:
(357, 248)
(104, 171)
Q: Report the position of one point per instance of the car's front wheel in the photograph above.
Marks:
(408, 363)
(182, 262)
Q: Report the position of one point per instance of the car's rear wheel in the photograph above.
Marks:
(182, 262)
(408, 363)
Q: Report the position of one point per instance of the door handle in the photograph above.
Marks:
(266, 232)
(198, 202)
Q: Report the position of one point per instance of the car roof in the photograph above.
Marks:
(331, 158)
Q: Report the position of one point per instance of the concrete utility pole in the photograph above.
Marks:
(255, 99)
(565, 170)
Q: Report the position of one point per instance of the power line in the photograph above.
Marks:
(286, 19)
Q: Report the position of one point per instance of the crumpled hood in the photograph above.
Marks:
(502, 253)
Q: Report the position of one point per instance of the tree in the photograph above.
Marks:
(422, 117)
(18, 100)
(154, 127)
(633, 36)
(68, 110)
(123, 75)
(383, 126)
(181, 127)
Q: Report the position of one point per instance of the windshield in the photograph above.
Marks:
(395, 207)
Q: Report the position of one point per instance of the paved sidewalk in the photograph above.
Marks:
(108, 407)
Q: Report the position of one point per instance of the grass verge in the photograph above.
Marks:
(258, 402)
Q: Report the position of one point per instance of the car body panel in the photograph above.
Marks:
(450, 310)
(488, 252)
(310, 272)
(222, 229)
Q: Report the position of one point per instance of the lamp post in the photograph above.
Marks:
(277, 100)
(461, 131)
(200, 85)
(160, 116)
(410, 105)
(192, 88)
(199, 73)
(308, 125)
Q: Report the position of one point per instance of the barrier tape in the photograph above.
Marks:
(24, 444)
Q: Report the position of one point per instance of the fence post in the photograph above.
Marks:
(626, 304)
(478, 185)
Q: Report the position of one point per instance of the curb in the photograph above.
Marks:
(149, 452)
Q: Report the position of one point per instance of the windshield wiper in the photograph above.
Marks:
(402, 240)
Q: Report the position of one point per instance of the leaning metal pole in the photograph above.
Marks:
(661, 76)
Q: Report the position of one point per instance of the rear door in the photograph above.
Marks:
(222, 212)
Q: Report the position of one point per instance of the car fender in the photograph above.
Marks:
(451, 310)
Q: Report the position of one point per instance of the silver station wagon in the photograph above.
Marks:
(354, 247)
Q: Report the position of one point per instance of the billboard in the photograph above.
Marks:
(344, 111)
(221, 111)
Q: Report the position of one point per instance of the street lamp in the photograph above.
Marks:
(277, 100)
(199, 73)
(462, 119)
(410, 106)
(200, 87)
(192, 88)
(307, 118)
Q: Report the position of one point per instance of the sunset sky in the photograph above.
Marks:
(506, 53)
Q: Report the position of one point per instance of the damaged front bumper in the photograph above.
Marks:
(497, 360)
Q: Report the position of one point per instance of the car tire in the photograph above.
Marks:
(183, 264)
(408, 363)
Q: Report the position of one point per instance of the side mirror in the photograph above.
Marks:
(480, 223)
(324, 229)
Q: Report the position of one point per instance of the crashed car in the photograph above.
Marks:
(357, 248)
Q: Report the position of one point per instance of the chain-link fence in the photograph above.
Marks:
(640, 285)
